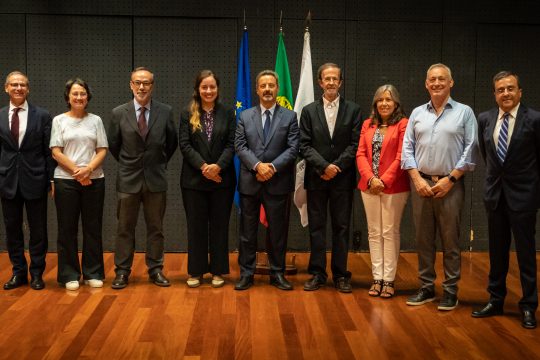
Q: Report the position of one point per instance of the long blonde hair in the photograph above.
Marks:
(195, 104)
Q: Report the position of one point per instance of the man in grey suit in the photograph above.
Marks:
(142, 138)
(267, 140)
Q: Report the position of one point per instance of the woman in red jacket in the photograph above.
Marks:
(384, 186)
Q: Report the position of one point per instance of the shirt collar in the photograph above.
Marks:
(272, 109)
(330, 104)
(23, 106)
(138, 106)
(450, 104)
(512, 112)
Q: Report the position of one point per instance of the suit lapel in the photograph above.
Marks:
(275, 120)
(4, 126)
(389, 133)
(219, 123)
(340, 115)
(257, 118)
(518, 126)
(131, 116)
(30, 124)
(322, 117)
(154, 115)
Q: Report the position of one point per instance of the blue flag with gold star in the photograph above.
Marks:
(243, 95)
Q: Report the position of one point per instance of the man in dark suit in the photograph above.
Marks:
(329, 132)
(26, 173)
(267, 144)
(142, 138)
(509, 138)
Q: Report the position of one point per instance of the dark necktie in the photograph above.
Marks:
(15, 125)
(266, 128)
(143, 127)
(502, 144)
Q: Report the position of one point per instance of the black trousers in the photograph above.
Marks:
(207, 215)
(340, 203)
(276, 208)
(36, 214)
(502, 223)
(154, 204)
(74, 201)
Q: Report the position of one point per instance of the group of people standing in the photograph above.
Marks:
(431, 151)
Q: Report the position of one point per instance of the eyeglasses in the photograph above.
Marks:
(145, 84)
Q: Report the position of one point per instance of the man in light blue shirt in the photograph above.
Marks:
(438, 148)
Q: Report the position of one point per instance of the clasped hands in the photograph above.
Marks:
(330, 172)
(211, 172)
(376, 186)
(439, 190)
(265, 171)
(82, 175)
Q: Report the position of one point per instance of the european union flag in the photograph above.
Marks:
(243, 95)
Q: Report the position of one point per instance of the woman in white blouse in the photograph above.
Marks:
(79, 145)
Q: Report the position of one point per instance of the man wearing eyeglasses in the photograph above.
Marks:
(142, 138)
(26, 171)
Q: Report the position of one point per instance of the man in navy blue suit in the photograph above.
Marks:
(267, 140)
(26, 173)
(509, 138)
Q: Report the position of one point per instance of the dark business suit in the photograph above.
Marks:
(320, 150)
(208, 203)
(142, 166)
(512, 197)
(280, 149)
(25, 175)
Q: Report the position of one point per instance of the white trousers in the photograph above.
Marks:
(383, 213)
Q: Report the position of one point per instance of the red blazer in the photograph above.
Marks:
(395, 180)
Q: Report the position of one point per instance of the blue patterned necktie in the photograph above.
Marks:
(502, 145)
(266, 128)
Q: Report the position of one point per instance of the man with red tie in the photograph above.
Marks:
(26, 173)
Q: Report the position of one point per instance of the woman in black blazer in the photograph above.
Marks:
(208, 179)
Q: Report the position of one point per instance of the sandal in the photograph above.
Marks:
(387, 290)
(375, 289)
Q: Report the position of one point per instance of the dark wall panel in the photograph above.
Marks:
(374, 43)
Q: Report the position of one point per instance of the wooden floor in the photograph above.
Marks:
(147, 322)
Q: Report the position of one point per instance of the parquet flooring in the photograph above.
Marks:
(147, 322)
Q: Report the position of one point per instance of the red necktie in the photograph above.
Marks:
(143, 127)
(15, 125)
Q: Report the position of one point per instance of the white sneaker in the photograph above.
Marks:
(94, 283)
(72, 285)
(217, 281)
(193, 282)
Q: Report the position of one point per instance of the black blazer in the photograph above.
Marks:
(197, 150)
(321, 150)
(280, 149)
(30, 167)
(139, 160)
(519, 176)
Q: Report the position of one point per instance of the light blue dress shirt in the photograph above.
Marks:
(437, 144)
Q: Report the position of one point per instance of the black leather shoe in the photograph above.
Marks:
(490, 309)
(279, 281)
(37, 283)
(120, 281)
(244, 283)
(528, 319)
(15, 282)
(314, 283)
(159, 279)
(343, 284)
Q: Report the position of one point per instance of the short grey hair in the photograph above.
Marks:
(439, 65)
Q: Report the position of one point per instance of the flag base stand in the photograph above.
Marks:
(263, 267)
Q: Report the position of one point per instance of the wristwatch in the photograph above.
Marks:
(452, 178)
